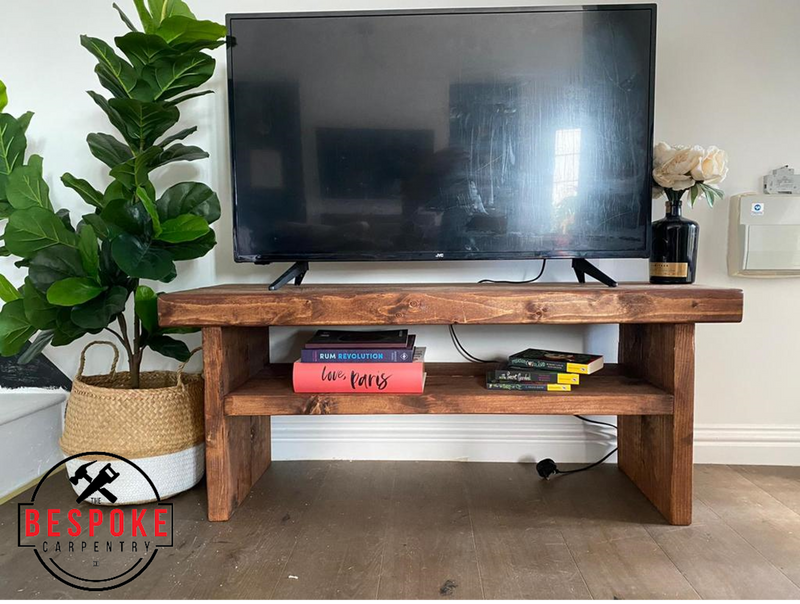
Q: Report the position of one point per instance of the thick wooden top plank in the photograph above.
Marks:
(450, 303)
(453, 388)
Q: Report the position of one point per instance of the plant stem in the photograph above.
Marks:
(134, 357)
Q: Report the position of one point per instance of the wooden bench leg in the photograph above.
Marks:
(238, 449)
(655, 451)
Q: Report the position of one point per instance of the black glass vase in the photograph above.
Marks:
(673, 259)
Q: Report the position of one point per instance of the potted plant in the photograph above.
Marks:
(676, 171)
(81, 275)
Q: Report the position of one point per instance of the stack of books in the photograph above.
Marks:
(360, 362)
(543, 370)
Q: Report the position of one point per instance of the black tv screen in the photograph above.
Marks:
(442, 134)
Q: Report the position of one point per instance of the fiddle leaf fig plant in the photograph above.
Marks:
(80, 278)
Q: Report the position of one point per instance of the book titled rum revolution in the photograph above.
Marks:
(525, 375)
(359, 355)
(551, 360)
(336, 378)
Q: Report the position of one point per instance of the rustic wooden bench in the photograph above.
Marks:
(651, 390)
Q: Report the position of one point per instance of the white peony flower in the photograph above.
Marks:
(678, 163)
(712, 167)
(662, 153)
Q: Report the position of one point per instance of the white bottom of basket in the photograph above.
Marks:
(172, 474)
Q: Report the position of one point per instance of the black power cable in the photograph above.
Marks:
(463, 351)
(536, 278)
(547, 467)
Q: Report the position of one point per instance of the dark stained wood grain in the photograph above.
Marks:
(656, 451)
(238, 449)
(445, 304)
(452, 388)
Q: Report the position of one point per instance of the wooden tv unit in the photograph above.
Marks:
(651, 390)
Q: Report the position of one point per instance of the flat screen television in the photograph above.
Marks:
(442, 134)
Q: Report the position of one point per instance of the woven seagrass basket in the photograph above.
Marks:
(158, 426)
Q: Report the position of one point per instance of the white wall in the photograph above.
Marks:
(727, 74)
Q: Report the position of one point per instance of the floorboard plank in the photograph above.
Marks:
(782, 482)
(602, 515)
(718, 562)
(246, 555)
(764, 522)
(338, 554)
(430, 549)
(521, 554)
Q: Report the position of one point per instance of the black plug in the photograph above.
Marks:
(546, 468)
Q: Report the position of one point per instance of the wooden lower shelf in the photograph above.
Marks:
(453, 388)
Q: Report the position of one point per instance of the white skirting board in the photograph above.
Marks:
(31, 422)
(508, 439)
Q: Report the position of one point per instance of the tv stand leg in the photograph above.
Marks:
(238, 449)
(583, 267)
(655, 451)
(297, 271)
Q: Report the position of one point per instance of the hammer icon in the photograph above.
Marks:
(82, 473)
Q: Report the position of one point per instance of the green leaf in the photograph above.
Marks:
(144, 16)
(183, 228)
(143, 123)
(170, 347)
(110, 273)
(143, 49)
(115, 74)
(108, 149)
(36, 347)
(189, 198)
(179, 152)
(66, 331)
(3, 96)
(188, 35)
(186, 97)
(693, 193)
(150, 205)
(73, 291)
(26, 188)
(35, 229)
(173, 76)
(116, 191)
(178, 136)
(12, 144)
(98, 224)
(8, 293)
(140, 259)
(89, 251)
(63, 215)
(6, 209)
(54, 264)
(24, 121)
(124, 17)
(163, 9)
(127, 217)
(192, 249)
(135, 172)
(146, 308)
(86, 191)
(14, 328)
(39, 312)
(100, 312)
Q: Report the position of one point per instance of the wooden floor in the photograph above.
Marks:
(458, 530)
